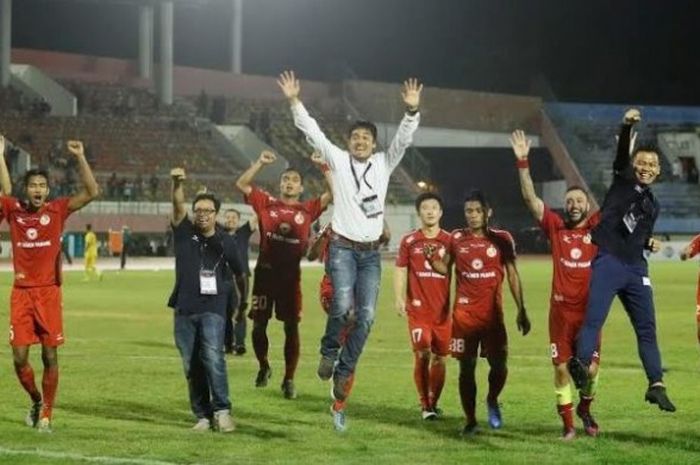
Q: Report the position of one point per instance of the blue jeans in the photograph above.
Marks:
(611, 277)
(200, 339)
(356, 275)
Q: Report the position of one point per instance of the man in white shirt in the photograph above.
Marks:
(360, 182)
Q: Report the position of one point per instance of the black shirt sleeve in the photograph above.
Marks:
(622, 161)
(232, 256)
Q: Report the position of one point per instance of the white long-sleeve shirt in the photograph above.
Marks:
(349, 219)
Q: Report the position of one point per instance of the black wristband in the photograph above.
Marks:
(410, 112)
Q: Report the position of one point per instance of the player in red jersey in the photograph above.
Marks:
(483, 256)
(572, 254)
(284, 226)
(690, 251)
(426, 301)
(36, 226)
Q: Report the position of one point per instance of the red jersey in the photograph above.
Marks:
(36, 240)
(480, 268)
(572, 253)
(428, 292)
(284, 228)
(694, 246)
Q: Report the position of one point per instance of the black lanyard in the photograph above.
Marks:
(201, 258)
(354, 174)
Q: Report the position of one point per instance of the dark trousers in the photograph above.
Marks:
(125, 252)
(234, 333)
(611, 277)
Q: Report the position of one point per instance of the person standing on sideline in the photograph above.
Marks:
(199, 301)
(572, 253)
(126, 245)
(36, 314)
(423, 295)
(625, 231)
(285, 224)
(691, 250)
(360, 180)
(234, 339)
(91, 270)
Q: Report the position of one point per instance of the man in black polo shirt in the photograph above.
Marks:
(624, 232)
(199, 299)
(234, 339)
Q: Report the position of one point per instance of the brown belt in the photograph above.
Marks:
(350, 244)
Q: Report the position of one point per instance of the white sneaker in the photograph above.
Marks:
(428, 415)
(203, 424)
(44, 425)
(223, 421)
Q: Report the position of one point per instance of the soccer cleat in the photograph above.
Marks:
(325, 368)
(32, 417)
(240, 350)
(44, 425)
(657, 395)
(263, 376)
(203, 424)
(223, 422)
(470, 429)
(338, 419)
(437, 410)
(428, 415)
(495, 419)
(578, 371)
(568, 435)
(340, 387)
(288, 389)
(589, 424)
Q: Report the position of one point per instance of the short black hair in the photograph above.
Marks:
(646, 146)
(35, 172)
(576, 187)
(362, 124)
(427, 196)
(233, 210)
(291, 169)
(476, 195)
(207, 196)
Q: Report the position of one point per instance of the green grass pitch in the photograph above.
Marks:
(122, 396)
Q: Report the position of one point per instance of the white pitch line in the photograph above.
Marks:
(83, 458)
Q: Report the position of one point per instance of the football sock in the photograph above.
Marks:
(260, 345)
(421, 377)
(467, 395)
(497, 379)
(589, 390)
(49, 385)
(291, 350)
(339, 405)
(566, 411)
(437, 381)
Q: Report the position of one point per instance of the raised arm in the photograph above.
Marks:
(622, 160)
(410, 94)
(327, 196)
(5, 181)
(516, 289)
(90, 189)
(177, 175)
(290, 87)
(245, 181)
(521, 149)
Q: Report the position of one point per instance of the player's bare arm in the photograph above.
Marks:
(521, 148)
(400, 275)
(90, 189)
(320, 162)
(315, 248)
(177, 176)
(5, 181)
(245, 181)
(290, 87)
(441, 265)
(516, 289)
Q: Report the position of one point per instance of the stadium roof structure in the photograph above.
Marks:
(179, 3)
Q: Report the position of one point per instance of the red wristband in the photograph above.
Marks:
(522, 163)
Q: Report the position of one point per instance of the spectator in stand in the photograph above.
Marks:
(153, 185)
(677, 170)
(127, 242)
(112, 186)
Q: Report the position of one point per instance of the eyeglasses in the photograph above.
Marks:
(204, 211)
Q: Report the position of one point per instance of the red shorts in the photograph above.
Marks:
(470, 333)
(326, 293)
(426, 335)
(36, 316)
(271, 292)
(564, 326)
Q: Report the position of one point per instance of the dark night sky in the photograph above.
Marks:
(595, 51)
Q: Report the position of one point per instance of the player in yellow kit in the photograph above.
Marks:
(91, 271)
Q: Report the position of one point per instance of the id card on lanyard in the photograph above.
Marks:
(369, 204)
(207, 277)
